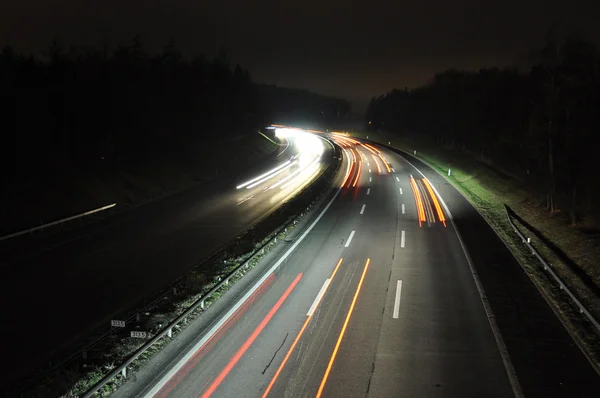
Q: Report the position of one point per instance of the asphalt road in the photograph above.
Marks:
(55, 290)
(378, 297)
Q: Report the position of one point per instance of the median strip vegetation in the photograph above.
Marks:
(81, 374)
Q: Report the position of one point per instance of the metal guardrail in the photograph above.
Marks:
(30, 230)
(168, 330)
(548, 268)
(200, 302)
(135, 316)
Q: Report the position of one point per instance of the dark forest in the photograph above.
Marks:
(539, 125)
(104, 112)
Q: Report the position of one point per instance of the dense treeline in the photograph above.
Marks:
(541, 126)
(85, 107)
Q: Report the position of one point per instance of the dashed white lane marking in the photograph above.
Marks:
(169, 375)
(352, 235)
(318, 298)
(362, 210)
(397, 301)
(400, 191)
(402, 208)
(369, 179)
(393, 171)
(508, 365)
(397, 179)
(368, 191)
(401, 239)
(369, 170)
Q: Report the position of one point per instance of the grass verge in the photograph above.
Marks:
(572, 253)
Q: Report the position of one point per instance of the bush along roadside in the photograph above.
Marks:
(231, 263)
(489, 202)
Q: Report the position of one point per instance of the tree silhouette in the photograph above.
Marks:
(539, 126)
(106, 111)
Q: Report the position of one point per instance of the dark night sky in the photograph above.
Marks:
(349, 49)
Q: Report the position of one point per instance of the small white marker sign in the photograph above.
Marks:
(138, 334)
(117, 323)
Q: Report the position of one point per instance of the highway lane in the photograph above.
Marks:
(58, 289)
(546, 359)
(437, 341)
(378, 299)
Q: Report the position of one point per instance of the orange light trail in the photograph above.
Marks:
(341, 336)
(362, 155)
(426, 202)
(352, 140)
(438, 208)
(340, 136)
(421, 201)
(353, 155)
(357, 174)
(387, 166)
(366, 147)
(349, 174)
(369, 149)
(341, 141)
(345, 138)
(373, 148)
(289, 353)
(238, 355)
(418, 201)
(377, 163)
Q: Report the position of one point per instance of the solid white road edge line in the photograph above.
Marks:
(402, 240)
(508, 365)
(165, 379)
(318, 298)
(243, 201)
(286, 147)
(397, 301)
(349, 239)
(362, 210)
